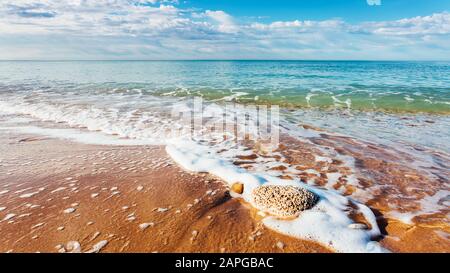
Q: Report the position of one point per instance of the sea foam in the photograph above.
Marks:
(327, 222)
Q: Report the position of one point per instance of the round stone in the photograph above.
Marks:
(283, 201)
(237, 188)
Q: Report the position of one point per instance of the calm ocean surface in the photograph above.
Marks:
(368, 86)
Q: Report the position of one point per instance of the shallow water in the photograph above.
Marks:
(391, 103)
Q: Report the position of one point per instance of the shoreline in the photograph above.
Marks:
(139, 200)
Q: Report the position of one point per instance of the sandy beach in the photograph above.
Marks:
(114, 192)
(56, 194)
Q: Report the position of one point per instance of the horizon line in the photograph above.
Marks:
(217, 60)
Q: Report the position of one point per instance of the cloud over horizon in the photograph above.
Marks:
(151, 29)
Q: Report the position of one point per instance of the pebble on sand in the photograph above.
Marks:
(69, 210)
(283, 201)
(280, 245)
(194, 235)
(237, 188)
(8, 216)
(144, 226)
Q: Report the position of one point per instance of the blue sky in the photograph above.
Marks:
(350, 10)
(225, 29)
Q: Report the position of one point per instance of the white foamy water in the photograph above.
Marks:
(326, 223)
(115, 117)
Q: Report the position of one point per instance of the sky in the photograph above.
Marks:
(225, 29)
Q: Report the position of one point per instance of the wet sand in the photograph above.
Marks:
(113, 190)
(136, 199)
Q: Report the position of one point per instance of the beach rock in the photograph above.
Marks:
(283, 201)
(237, 188)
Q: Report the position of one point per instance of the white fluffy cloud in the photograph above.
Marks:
(131, 29)
(88, 17)
(299, 25)
(438, 23)
(225, 22)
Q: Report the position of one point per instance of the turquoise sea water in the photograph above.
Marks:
(358, 85)
(391, 103)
